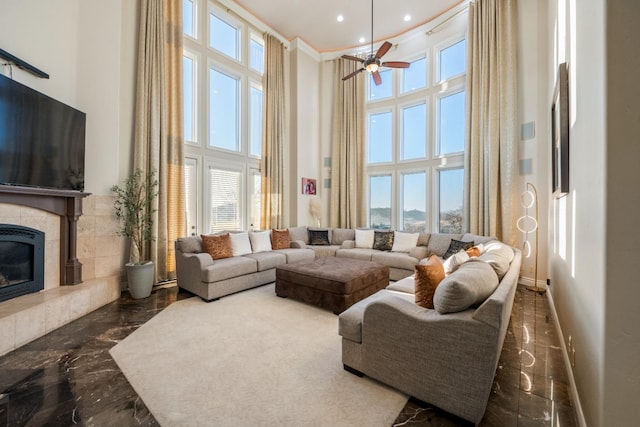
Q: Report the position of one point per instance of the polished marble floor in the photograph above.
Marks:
(68, 377)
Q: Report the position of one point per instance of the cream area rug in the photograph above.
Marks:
(250, 359)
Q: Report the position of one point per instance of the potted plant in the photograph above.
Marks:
(134, 209)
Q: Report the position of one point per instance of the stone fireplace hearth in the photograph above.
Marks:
(97, 251)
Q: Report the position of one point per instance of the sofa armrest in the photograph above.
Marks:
(298, 244)
(448, 360)
(348, 244)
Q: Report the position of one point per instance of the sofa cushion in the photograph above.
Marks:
(405, 285)
(427, 278)
(364, 239)
(470, 285)
(268, 260)
(423, 239)
(260, 241)
(323, 251)
(339, 235)
(439, 242)
(394, 259)
(497, 255)
(190, 245)
(455, 246)
(469, 237)
(297, 255)
(356, 253)
(383, 240)
(280, 239)
(217, 245)
(403, 242)
(240, 244)
(318, 237)
(228, 268)
(299, 233)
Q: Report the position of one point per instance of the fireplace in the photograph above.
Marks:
(21, 261)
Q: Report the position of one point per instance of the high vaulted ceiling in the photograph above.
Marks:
(315, 21)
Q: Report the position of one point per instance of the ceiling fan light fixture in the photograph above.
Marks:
(372, 68)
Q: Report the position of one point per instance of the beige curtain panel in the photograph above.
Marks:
(273, 137)
(491, 144)
(347, 149)
(158, 143)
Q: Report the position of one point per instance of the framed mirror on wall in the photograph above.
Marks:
(560, 134)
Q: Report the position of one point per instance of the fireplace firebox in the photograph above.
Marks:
(21, 261)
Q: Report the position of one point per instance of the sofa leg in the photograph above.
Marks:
(353, 371)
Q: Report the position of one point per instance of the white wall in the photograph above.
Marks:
(534, 100)
(80, 45)
(305, 130)
(593, 249)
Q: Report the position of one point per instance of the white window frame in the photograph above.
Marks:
(436, 57)
(195, 57)
(212, 65)
(232, 22)
(196, 24)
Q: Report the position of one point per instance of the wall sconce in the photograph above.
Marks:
(528, 224)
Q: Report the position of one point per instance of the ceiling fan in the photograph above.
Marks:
(372, 62)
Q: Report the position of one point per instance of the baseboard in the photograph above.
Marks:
(530, 283)
(575, 398)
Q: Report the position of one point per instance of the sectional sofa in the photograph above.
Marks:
(446, 356)
(211, 279)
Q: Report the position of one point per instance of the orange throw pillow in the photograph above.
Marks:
(280, 239)
(427, 278)
(473, 251)
(217, 245)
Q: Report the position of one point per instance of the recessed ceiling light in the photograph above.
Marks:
(407, 18)
(340, 18)
(362, 40)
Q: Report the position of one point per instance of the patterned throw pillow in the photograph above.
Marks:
(383, 240)
(319, 237)
(280, 239)
(456, 246)
(428, 277)
(218, 245)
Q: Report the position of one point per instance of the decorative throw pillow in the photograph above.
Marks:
(470, 285)
(260, 241)
(383, 240)
(456, 246)
(280, 239)
(404, 242)
(474, 251)
(319, 237)
(240, 244)
(364, 238)
(217, 245)
(428, 277)
(452, 263)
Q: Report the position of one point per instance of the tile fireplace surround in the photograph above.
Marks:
(98, 249)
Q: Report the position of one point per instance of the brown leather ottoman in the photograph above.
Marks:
(333, 283)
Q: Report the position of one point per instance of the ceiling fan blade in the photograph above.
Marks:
(396, 64)
(383, 49)
(376, 78)
(348, 76)
(353, 58)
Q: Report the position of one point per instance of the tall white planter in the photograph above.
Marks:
(140, 278)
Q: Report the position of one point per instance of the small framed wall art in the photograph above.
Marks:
(560, 134)
(308, 186)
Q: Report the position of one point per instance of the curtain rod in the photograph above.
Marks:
(440, 24)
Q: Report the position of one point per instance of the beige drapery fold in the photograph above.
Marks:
(273, 136)
(491, 143)
(347, 151)
(158, 140)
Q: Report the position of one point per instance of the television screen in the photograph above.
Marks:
(42, 141)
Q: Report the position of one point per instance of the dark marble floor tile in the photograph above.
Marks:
(68, 377)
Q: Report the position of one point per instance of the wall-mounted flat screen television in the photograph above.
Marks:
(42, 140)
